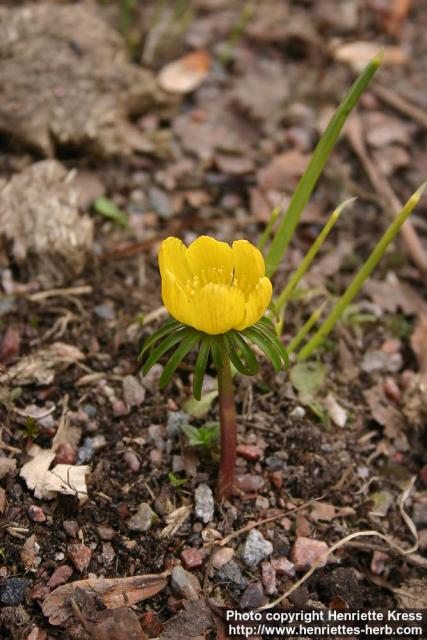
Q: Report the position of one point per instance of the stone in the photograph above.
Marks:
(79, 555)
(185, 584)
(268, 577)
(143, 519)
(249, 483)
(132, 461)
(117, 624)
(277, 479)
(13, 591)
(256, 549)
(222, 556)
(262, 503)
(423, 475)
(65, 453)
(151, 381)
(191, 558)
(105, 532)
(253, 597)
(419, 514)
(71, 527)
(36, 513)
(204, 503)
(231, 572)
(40, 220)
(133, 392)
(60, 576)
(156, 457)
(175, 421)
(249, 452)
(283, 567)
(307, 551)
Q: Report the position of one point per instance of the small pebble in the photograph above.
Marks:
(66, 453)
(378, 562)
(13, 591)
(132, 461)
(175, 421)
(156, 457)
(185, 584)
(262, 503)
(306, 552)
(191, 559)
(60, 576)
(36, 513)
(391, 389)
(283, 567)
(256, 549)
(143, 519)
(249, 483)
(268, 577)
(204, 503)
(231, 572)
(277, 479)
(249, 452)
(71, 527)
(423, 475)
(133, 392)
(79, 555)
(105, 532)
(253, 596)
(222, 556)
(151, 381)
(298, 412)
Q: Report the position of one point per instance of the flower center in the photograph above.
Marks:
(216, 275)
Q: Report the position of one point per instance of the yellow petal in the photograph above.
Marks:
(249, 265)
(217, 308)
(175, 298)
(205, 255)
(257, 303)
(173, 258)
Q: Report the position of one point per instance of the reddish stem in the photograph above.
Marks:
(227, 418)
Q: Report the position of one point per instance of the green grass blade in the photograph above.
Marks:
(361, 276)
(307, 326)
(164, 346)
(269, 227)
(310, 255)
(315, 167)
(200, 368)
(170, 367)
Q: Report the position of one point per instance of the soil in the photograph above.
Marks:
(218, 162)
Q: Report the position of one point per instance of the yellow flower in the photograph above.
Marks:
(214, 287)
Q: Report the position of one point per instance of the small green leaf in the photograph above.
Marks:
(308, 378)
(247, 353)
(167, 327)
(164, 346)
(265, 345)
(199, 408)
(175, 481)
(185, 347)
(205, 436)
(200, 368)
(246, 369)
(110, 210)
(276, 343)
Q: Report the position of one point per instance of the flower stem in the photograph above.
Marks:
(227, 418)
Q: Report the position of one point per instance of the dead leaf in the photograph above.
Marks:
(193, 622)
(113, 592)
(391, 294)
(383, 130)
(29, 552)
(412, 594)
(175, 520)
(283, 168)
(186, 73)
(119, 624)
(41, 367)
(358, 54)
(386, 414)
(64, 478)
(263, 90)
